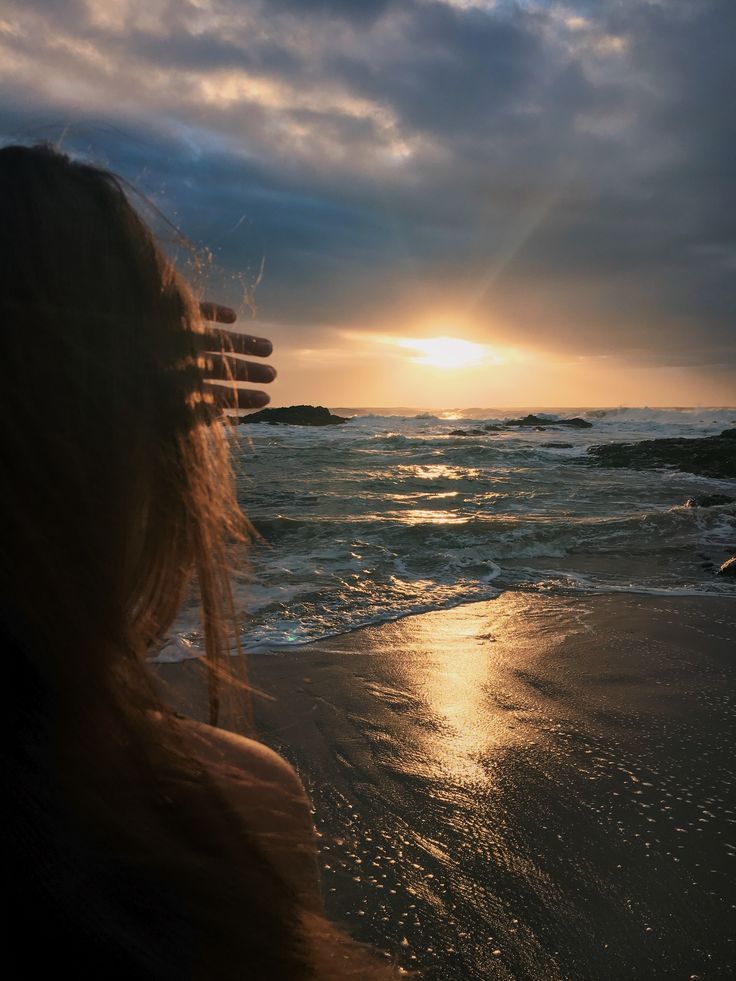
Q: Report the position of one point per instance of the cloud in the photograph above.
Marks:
(558, 173)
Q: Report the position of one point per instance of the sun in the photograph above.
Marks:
(447, 352)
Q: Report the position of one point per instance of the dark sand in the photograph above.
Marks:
(534, 787)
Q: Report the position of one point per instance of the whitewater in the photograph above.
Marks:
(390, 514)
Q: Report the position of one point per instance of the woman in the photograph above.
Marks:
(146, 846)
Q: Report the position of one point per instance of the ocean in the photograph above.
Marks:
(390, 514)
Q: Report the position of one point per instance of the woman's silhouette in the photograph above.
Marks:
(145, 846)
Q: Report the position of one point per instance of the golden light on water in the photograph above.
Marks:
(424, 516)
(447, 352)
(436, 471)
(461, 665)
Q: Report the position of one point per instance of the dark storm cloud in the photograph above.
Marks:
(357, 10)
(451, 69)
(564, 173)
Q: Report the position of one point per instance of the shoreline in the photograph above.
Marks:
(721, 589)
(526, 787)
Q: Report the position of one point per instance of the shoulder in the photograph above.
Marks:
(258, 761)
(268, 795)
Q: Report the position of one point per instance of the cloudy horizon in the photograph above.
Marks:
(550, 182)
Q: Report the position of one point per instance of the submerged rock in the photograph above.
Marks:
(467, 432)
(556, 446)
(728, 568)
(537, 423)
(295, 415)
(709, 501)
(708, 456)
(531, 420)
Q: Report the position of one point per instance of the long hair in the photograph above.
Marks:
(116, 490)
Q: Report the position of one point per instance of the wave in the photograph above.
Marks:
(295, 632)
(555, 581)
(485, 525)
(390, 515)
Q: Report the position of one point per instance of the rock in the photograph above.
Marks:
(458, 432)
(728, 568)
(467, 432)
(556, 446)
(295, 415)
(709, 501)
(708, 456)
(537, 421)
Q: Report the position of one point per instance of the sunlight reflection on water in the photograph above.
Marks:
(508, 789)
(424, 516)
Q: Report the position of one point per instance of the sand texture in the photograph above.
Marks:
(535, 787)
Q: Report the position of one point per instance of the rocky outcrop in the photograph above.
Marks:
(728, 568)
(709, 456)
(709, 501)
(534, 421)
(295, 415)
(537, 423)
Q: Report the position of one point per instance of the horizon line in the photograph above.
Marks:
(469, 408)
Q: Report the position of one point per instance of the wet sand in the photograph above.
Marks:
(534, 787)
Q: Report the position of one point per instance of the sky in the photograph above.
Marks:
(454, 203)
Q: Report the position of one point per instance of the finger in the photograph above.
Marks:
(217, 312)
(229, 397)
(232, 368)
(216, 340)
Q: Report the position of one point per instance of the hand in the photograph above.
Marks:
(221, 352)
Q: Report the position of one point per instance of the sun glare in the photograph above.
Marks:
(447, 352)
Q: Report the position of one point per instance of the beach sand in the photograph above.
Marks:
(533, 787)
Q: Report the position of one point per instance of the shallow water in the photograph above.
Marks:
(539, 788)
(390, 515)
